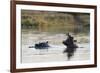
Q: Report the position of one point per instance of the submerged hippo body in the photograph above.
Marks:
(43, 45)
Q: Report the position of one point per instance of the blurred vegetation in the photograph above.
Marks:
(61, 22)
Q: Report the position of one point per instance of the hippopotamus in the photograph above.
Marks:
(42, 45)
(70, 46)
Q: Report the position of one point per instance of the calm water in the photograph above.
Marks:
(55, 52)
